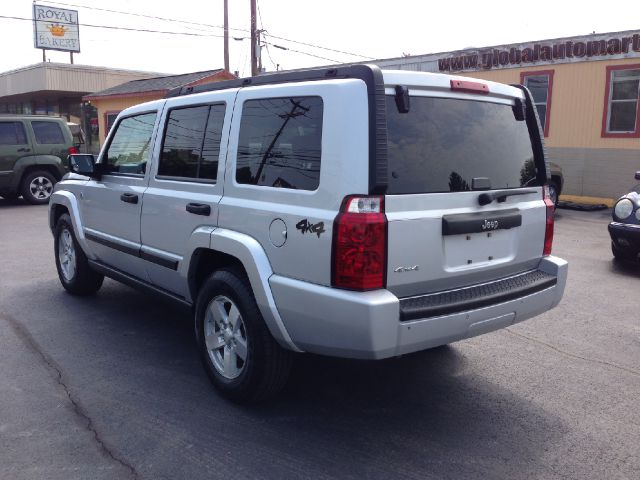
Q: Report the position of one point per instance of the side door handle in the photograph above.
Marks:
(24, 149)
(129, 197)
(199, 209)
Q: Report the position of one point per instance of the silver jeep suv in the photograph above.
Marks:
(347, 211)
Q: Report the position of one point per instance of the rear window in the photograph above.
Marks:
(48, 133)
(441, 145)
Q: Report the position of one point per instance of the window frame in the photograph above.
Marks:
(239, 132)
(606, 113)
(207, 181)
(104, 155)
(541, 73)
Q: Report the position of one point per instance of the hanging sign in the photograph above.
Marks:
(55, 29)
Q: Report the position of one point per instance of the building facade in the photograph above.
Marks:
(57, 89)
(587, 93)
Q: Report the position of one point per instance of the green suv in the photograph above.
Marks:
(33, 152)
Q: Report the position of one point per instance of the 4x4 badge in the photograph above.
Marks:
(406, 269)
(304, 226)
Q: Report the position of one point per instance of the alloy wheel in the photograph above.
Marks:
(225, 337)
(41, 188)
(67, 255)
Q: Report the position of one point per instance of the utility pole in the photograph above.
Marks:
(226, 35)
(254, 38)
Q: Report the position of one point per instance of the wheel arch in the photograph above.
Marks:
(236, 250)
(61, 202)
(24, 165)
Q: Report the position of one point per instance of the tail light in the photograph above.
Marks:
(360, 244)
(548, 233)
(73, 150)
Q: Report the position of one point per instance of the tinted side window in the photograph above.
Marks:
(12, 133)
(192, 142)
(280, 143)
(48, 133)
(130, 146)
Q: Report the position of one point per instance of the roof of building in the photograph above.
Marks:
(63, 77)
(156, 84)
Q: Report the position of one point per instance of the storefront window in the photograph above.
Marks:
(623, 97)
(540, 84)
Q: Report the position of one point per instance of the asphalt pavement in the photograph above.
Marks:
(111, 387)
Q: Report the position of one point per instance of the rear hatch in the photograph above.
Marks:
(464, 202)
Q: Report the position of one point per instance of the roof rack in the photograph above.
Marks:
(364, 72)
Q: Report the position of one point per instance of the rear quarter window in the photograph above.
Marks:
(441, 145)
(48, 133)
(280, 143)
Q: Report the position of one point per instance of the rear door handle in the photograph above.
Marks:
(24, 149)
(129, 197)
(199, 209)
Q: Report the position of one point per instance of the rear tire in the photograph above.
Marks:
(74, 271)
(241, 358)
(37, 187)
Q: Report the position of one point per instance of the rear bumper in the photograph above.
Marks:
(341, 323)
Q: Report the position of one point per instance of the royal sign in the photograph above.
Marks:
(55, 29)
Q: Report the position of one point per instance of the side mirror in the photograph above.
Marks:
(82, 163)
(637, 175)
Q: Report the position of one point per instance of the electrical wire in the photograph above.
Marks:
(142, 15)
(317, 46)
(113, 27)
(217, 26)
(303, 53)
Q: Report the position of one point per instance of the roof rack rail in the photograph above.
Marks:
(362, 71)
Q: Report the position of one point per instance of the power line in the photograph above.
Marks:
(304, 53)
(113, 27)
(153, 17)
(317, 46)
(217, 26)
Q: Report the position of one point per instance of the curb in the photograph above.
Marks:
(587, 200)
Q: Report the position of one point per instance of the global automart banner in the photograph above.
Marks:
(541, 53)
(55, 29)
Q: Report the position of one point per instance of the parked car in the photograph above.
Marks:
(33, 153)
(556, 182)
(625, 227)
(347, 211)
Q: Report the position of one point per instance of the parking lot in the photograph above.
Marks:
(110, 387)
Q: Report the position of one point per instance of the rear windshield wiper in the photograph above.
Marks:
(501, 195)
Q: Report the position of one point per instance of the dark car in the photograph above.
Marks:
(625, 227)
(33, 153)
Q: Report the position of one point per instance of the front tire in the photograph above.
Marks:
(74, 271)
(240, 356)
(37, 187)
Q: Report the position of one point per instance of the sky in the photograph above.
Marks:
(338, 31)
